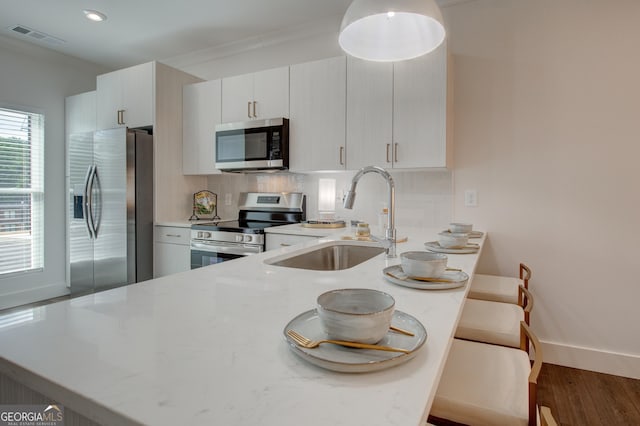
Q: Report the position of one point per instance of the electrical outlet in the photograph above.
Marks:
(227, 199)
(471, 198)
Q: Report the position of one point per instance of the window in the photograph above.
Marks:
(21, 191)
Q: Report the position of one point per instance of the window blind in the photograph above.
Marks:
(21, 191)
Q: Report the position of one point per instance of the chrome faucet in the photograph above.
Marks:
(389, 241)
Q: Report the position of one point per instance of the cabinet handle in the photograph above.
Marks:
(285, 245)
(341, 156)
(395, 152)
(120, 116)
(388, 146)
(172, 235)
(249, 109)
(254, 109)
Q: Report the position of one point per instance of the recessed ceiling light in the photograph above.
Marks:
(94, 15)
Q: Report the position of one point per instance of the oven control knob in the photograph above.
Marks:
(200, 234)
(247, 238)
(238, 238)
(207, 235)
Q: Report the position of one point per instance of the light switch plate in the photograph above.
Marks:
(471, 198)
(227, 199)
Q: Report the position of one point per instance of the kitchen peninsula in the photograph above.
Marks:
(206, 347)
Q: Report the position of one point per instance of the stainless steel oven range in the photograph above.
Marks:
(216, 242)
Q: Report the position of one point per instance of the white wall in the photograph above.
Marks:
(38, 78)
(546, 129)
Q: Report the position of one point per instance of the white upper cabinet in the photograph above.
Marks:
(126, 97)
(258, 95)
(420, 111)
(201, 112)
(318, 111)
(397, 113)
(80, 113)
(369, 113)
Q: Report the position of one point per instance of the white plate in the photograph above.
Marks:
(472, 234)
(459, 279)
(350, 360)
(435, 246)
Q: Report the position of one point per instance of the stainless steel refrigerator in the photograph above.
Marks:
(110, 187)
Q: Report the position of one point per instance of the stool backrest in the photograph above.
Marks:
(526, 336)
(525, 274)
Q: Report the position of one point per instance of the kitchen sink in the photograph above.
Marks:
(334, 256)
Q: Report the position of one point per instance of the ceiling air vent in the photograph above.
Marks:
(37, 35)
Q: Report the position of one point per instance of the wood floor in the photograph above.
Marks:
(579, 397)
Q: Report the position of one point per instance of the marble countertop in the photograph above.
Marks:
(206, 347)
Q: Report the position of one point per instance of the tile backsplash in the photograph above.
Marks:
(423, 198)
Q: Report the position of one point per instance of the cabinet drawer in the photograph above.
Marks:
(171, 234)
(276, 241)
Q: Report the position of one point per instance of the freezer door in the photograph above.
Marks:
(108, 193)
(79, 235)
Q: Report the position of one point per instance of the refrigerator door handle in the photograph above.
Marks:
(90, 217)
(85, 201)
(96, 222)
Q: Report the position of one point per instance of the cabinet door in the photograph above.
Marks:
(237, 98)
(271, 93)
(172, 252)
(108, 100)
(130, 90)
(138, 95)
(419, 111)
(201, 111)
(171, 259)
(317, 110)
(80, 113)
(369, 113)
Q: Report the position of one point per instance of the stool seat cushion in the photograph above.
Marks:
(490, 322)
(484, 385)
(495, 288)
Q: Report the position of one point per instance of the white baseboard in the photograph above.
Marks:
(626, 365)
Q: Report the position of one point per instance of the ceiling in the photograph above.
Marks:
(138, 31)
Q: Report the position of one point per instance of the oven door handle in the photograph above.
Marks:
(238, 249)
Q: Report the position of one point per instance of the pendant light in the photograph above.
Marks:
(391, 30)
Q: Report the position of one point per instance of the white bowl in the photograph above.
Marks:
(423, 264)
(458, 228)
(356, 314)
(453, 240)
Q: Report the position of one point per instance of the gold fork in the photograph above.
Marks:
(310, 344)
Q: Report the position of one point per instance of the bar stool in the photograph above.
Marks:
(546, 418)
(489, 385)
(497, 323)
(500, 289)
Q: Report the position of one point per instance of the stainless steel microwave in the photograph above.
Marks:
(253, 145)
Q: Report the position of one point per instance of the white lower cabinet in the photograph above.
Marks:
(172, 253)
(276, 241)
